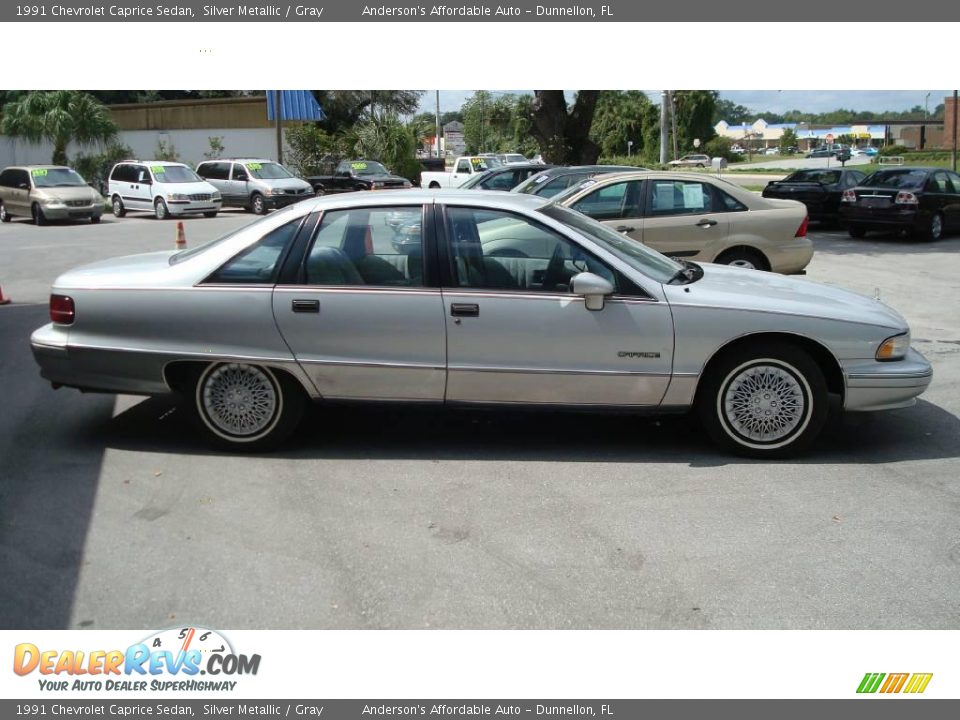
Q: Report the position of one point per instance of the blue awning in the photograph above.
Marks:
(295, 105)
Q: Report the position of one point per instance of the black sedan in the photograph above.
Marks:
(554, 181)
(925, 202)
(504, 178)
(820, 190)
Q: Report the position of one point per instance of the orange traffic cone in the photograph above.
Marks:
(4, 300)
(181, 236)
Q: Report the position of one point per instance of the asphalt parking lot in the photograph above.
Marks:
(113, 515)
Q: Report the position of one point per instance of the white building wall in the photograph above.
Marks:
(190, 145)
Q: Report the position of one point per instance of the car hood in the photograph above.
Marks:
(286, 184)
(382, 178)
(144, 270)
(740, 288)
(70, 194)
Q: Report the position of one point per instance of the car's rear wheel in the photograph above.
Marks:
(744, 258)
(211, 214)
(160, 209)
(319, 191)
(856, 230)
(38, 217)
(94, 219)
(118, 209)
(257, 204)
(764, 400)
(4, 215)
(434, 185)
(934, 228)
(247, 407)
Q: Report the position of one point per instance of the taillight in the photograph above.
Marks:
(906, 198)
(849, 196)
(802, 230)
(62, 311)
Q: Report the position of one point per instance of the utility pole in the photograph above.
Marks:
(954, 158)
(277, 112)
(673, 123)
(437, 135)
(664, 131)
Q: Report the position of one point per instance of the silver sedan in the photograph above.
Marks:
(318, 302)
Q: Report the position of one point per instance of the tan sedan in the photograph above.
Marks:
(698, 218)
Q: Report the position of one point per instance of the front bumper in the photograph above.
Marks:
(280, 201)
(66, 212)
(872, 385)
(188, 207)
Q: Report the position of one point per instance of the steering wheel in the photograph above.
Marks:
(554, 274)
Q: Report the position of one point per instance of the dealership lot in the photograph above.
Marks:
(114, 515)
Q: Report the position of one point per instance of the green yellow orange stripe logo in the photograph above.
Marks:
(894, 682)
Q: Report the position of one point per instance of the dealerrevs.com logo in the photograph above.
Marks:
(168, 660)
(894, 683)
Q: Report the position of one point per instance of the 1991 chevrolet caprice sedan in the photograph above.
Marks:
(433, 296)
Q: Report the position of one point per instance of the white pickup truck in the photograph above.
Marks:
(463, 169)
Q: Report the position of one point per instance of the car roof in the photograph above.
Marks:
(502, 200)
(151, 162)
(37, 167)
(238, 159)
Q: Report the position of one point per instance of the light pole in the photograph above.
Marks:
(926, 107)
(629, 147)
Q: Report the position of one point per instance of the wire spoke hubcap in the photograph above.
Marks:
(239, 399)
(764, 403)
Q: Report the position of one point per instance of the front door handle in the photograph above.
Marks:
(305, 306)
(464, 310)
(706, 223)
(625, 229)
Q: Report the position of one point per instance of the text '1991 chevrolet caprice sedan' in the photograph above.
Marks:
(435, 297)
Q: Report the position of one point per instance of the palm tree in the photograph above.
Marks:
(58, 117)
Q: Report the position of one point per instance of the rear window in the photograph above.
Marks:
(896, 179)
(824, 177)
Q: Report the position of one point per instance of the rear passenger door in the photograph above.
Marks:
(360, 314)
(682, 220)
(516, 333)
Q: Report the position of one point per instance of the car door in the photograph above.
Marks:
(460, 173)
(680, 219)
(139, 192)
(364, 320)
(952, 206)
(516, 333)
(20, 193)
(239, 185)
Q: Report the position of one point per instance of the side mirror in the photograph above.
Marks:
(24, 186)
(241, 178)
(593, 288)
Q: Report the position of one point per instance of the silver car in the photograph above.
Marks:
(255, 184)
(314, 303)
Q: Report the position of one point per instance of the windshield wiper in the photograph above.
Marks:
(689, 273)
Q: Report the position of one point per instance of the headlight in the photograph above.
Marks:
(894, 348)
(177, 196)
(216, 196)
(52, 202)
(376, 185)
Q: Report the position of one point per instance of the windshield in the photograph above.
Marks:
(56, 177)
(174, 174)
(906, 178)
(268, 171)
(366, 167)
(824, 177)
(477, 179)
(516, 159)
(649, 262)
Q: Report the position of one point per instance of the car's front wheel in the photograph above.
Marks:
(4, 215)
(257, 204)
(160, 209)
(247, 407)
(38, 217)
(764, 400)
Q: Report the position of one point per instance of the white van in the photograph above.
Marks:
(161, 187)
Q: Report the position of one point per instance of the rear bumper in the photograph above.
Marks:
(881, 217)
(872, 385)
(791, 257)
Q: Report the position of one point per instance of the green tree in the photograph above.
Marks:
(622, 117)
(387, 139)
(788, 139)
(58, 117)
(694, 110)
(733, 113)
(346, 108)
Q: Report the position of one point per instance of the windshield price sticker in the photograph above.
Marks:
(477, 161)
(254, 166)
(158, 169)
(40, 172)
(541, 179)
(358, 166)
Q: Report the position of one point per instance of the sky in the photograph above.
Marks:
(777, 101)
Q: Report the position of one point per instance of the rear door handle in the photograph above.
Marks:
(706, 223)
(625, 228)
(305, 306)
(464, 310)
